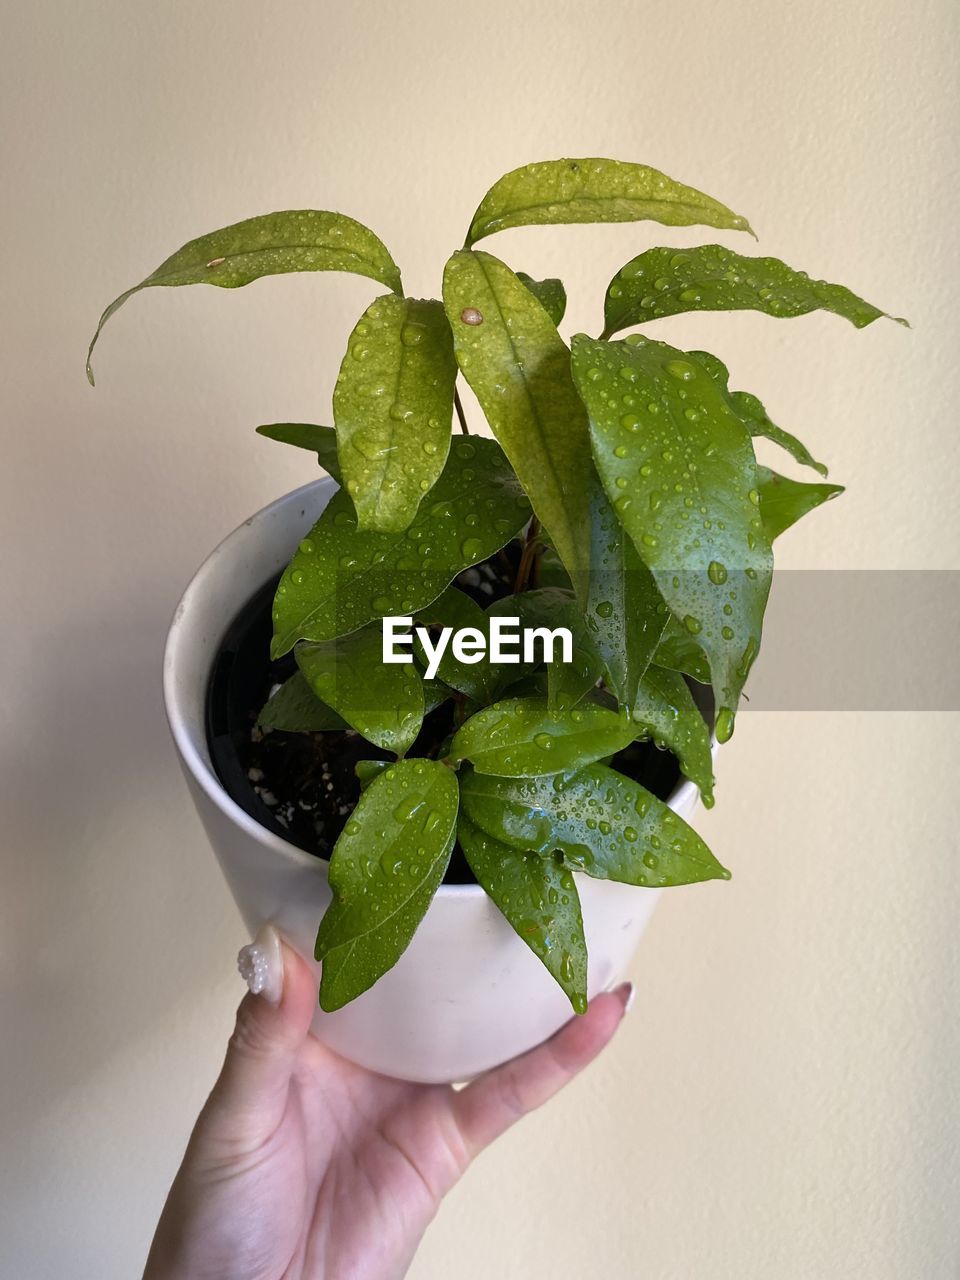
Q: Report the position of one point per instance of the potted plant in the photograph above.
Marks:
(373, 739)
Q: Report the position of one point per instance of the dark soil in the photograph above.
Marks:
(302, 786)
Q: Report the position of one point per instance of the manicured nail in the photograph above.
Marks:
(261, 965)
(626, 993)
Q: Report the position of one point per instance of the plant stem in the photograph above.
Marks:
(460, 414)
(528, 557)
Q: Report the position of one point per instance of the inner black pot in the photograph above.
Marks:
(302, 786)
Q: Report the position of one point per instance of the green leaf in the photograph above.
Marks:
(519, 369)
(625, 611)
(595, 190)
(524, 738)
(679, 468)
(539, 900)
(393, 404)
(295, 708)
(456, 609)
(368, 770)
(304, 435)
(382, 701)
(274, 243)
(550, 608)
(754, 416)
(678, 651)
(603, 824)
(384, 870)
(666, 282)
(550, 293)
(665, 708)
(340, 579)
(435, 694)
(784, 501)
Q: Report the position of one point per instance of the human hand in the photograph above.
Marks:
(307, 1167)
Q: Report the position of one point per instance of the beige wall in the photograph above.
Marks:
(784, 1101)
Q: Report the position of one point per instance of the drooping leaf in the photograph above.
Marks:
(456, 609)
(341, 579)
(784, 501)
(754, 416)
(665, 709)
(524, 738)
(383, 701)
(625, 611)
(550, 293)
(519, 368)
(665, 282)
(305, 435)
(295, 708)
(678, 465)
(595, 190)
(393, 404)
(602, 822)
(384, 870)
(679, 651)
(538, 898)
(270, 245)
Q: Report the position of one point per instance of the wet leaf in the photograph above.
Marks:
(456, 609)
(382, 701)
(666, 282)
(524, 738)
(603, 824)
(368, 770)
(341, 579)
(538, 898)
(678, 651)
(754, 416)
(270, 245)
(595, 190)
(550, 608)
(304, 435)
(519, 369)
(393, 405)
(784, 501)
(550, 293)
(384, 870)
(666, 711)
(678, 465)
(295, 708)
(625, 611)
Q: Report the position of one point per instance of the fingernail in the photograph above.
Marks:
(261, 965)
(626, 993)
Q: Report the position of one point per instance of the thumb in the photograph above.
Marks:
(272, 1023)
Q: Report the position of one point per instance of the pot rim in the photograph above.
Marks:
(202, 770)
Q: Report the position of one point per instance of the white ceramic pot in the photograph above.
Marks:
(467, 994)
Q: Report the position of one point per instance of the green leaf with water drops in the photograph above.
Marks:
(625, 611)
(754, 416)
(602, 822)
(305, 435)
(519, 368)
(457, 610)
(678, 465)
(525, 738)
(664, 708)
(542, 613)
(382, 701)
(340, 579)
(393, 405)
(295, 708)
(384, 870)
(550, 293)
(595, 190)
(784, 501)
(368, 770)
(679, 651)
(538, 898)
(667, 282)
(270, 245)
